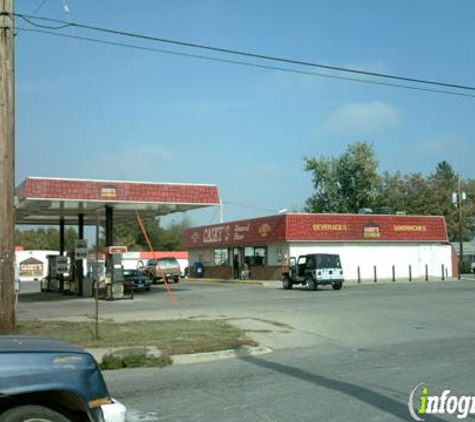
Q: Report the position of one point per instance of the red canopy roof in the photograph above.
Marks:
(45, 200)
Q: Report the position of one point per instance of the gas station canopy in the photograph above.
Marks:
(46, 201)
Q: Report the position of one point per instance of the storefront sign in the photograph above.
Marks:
(108, 192)
(320, 227)
(216, 234)
(265, 229)
(409, 228)
(371, 231)
(241, 232)
(31, 267)
(330, 227)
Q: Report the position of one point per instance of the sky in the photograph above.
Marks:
(88, 110)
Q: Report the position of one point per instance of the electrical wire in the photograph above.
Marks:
(249, 207)
(248, 64)
(34, 12)
(244, 53)
(27, 20)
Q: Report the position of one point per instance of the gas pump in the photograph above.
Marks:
(116, 286)
(57, 266)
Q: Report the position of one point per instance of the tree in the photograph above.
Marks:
(45, 238)
(161, 239)
(391, 192)
(345, 183)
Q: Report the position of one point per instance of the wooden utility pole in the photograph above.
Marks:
(460, 198)
(7, 169)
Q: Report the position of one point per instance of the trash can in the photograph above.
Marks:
(199, 269)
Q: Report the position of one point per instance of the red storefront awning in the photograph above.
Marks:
(320, 228)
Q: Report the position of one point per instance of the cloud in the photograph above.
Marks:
(362, 118)
(443, 144)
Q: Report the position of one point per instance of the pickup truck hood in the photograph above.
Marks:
(14, 344)
(34, 364)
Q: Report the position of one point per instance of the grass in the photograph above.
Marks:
(171, 337)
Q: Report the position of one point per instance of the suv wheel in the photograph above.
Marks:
(287, 283)
(32, 413)
(310, 283)
(337, 286)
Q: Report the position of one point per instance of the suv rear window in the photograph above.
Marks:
(167, 262)
(328, 261)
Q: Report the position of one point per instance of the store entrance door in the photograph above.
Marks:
(237, 262)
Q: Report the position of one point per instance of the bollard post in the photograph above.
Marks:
(410, 273)
(427, 272)
(359, 275)
(443, 272)
(394, 273)
(375, 274)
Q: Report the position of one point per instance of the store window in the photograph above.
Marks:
(255, 255)
(221, 256)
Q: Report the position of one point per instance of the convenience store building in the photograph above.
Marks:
(381, 246)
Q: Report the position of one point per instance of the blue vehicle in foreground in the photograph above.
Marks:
(51, 381)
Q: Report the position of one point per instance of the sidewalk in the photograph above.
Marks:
(365, 282)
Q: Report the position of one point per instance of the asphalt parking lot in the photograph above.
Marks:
(349, 355)
(355, 317)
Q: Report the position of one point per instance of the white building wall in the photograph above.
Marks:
(40, 255)
(384, 256)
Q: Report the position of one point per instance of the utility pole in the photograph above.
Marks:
(7, 169)
(459, 203)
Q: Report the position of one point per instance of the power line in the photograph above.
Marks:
(243, 53)
(34, 12)
(236, 204)
(243, 63)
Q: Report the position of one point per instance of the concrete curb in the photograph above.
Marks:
(186, 359)
(221, 355)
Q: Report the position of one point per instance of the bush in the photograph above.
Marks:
(134, 360)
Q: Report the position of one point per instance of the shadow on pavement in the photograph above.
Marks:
(47, 297)
(374, 399)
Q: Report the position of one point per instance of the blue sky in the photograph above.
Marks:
(96, 111)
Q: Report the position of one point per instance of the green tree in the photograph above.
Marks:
(345, 183)
(162, 239)
(392, 192)
(45, 238)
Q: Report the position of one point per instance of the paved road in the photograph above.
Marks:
(306, 384)
(353, 355)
